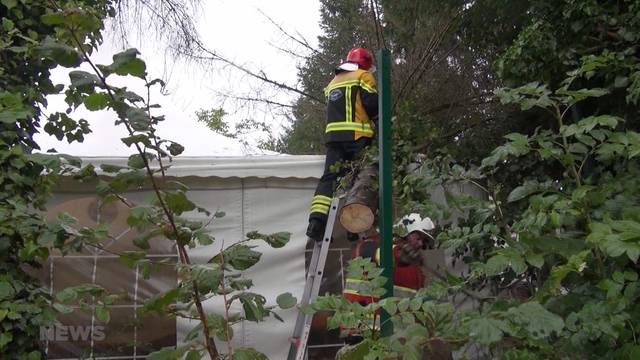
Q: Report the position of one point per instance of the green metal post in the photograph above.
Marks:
(384, 175)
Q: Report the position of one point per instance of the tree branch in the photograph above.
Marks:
(302, 42)
(212, 56)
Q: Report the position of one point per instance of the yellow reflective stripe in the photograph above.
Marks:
(349, 291)
(348, 108)
(354, 289)
(357, 281)
(403, 288)
(319, 208)
(321, 199)
(377, 256)
(337, 85)
(401, 291)
(358, 287)
(349, 83)
(349, 126)
(366, 87)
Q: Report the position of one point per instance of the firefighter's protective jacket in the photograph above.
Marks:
(407, 280)
(352, 106)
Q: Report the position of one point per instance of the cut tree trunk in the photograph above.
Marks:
(360, 207)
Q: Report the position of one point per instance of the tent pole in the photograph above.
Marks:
(385, 188)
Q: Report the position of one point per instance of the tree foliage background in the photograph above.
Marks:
(535, 104)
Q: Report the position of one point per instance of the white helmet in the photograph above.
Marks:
(415, 222)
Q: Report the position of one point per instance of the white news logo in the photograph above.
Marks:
(72, 333)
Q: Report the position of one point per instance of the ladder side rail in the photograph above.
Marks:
(302, 328)
(317, 279)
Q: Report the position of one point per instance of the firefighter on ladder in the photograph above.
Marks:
(352, 112)
(408, 277)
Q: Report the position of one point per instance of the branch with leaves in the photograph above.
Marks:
(167, 215)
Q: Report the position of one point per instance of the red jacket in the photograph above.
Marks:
(407, 279)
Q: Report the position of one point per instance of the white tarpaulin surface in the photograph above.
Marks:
(267, 206)
(268, 194)
(276, 166)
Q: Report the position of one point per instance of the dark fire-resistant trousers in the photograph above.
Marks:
(337, 152)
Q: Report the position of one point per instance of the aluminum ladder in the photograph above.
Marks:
(300, 338)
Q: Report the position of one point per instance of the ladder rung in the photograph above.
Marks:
(312, 287)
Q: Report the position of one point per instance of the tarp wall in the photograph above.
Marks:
(268, 194)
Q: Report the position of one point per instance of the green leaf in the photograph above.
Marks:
(138, 118)
(131, 96)
(175, 149)
(78, 19)
(9, 4)
(81, 78)
(130, 258)
(63, 309)
(10, 117)
(355, 352)
(194, 355)
(102, 313)
(208, 276)
(247, 354)
(240, 257)
(111, 169)
(575, 263)
(523, 191)
(536, 260)
(621, 81)
(253, 306)
(136, 161)
(127, 63)
(618, 238)
(96, 101)
(616, 248)
(495, 265)
(178, 202)
(203, 237)
(158, 303)
(5, 338)
(139, 138)
(241, 284)
(539, 322)
(6, 290)
(55, 18)
(142, 242)
(578, 148)
(286, 300)
(278, 240)
(67, 294)
(581, 94)
(140, 215)
(63, 54)
(169, 353)
(7, 24)
(487, 330)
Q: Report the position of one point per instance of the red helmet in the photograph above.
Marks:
(360, 56)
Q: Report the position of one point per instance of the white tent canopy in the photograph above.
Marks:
(267, 166)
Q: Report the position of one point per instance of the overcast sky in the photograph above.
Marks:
(236, 30)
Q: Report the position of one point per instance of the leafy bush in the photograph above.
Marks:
(37, 37)
(552, 246)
